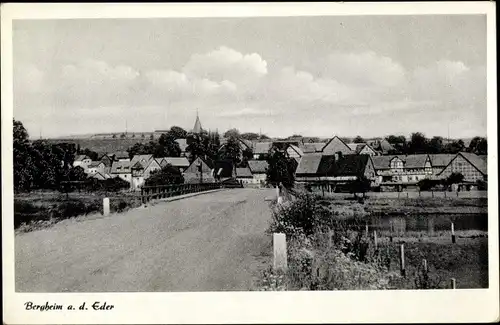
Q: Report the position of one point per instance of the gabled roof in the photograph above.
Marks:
(258, 166)
(95, 164)
(312, 147)
(120, 155)
(441, 160)
(209, 162)
(177, 161)
(356, 147)
(121, 167)
(262, 147)
(334, 151)
(243, 172)
(308, 164)
(410, 161)
(415, 161)
(81, 157)
(382, 162)
(296, 149)
(350, 165)
(476, 161)
(385, 146)
(144, 159)
(98, 176)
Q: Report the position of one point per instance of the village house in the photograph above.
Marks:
(382, 146)
(120, 156)
(335, 145)
(258, 168)
(199, 171)
(470, 165)
(106, 160)
(122, 170)
(261, 150)
(179, 162)
(142, 170)
(82, 161)
(295, 152)
(363, 149)
(402, 171)
(312, 147)
(96, 167)
(333, 172)
(244, 175)
(439, 162)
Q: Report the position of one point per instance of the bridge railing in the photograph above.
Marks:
(149, 193)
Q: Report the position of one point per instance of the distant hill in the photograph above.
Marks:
(102, 146)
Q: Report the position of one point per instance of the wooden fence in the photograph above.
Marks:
(149, 193)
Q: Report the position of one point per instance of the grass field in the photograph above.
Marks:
(40, 209)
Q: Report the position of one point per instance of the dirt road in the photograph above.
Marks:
(210, 242)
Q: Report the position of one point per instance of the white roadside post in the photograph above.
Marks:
(105, 206)
(279, 249)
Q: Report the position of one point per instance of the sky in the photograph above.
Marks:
(316, 76)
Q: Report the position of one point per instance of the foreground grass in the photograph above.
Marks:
(42, 209)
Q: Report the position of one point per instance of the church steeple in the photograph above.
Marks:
(197, 124)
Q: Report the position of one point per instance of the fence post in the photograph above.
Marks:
(453, 239)
(279, 250)
(375, 241)
(366, 230)
(105, 206)
(142, 195)
(402, 260)
(407, 194)
(424, 265)
(453, 283)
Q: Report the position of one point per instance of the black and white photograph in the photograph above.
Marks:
(250, 153)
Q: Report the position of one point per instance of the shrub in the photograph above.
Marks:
(294, 216)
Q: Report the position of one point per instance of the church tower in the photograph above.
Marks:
(197, 124)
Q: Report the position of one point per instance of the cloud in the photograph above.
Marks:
(240, 86)
(227, 64)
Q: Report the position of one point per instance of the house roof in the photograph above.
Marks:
(296, 149)
(308, 164)
(410, 161)
(350, 165)
(262, 147)
(313, 147)
(120, 155)
(143, 159)
(476, 161)
(182, 144)
(223, 168)
(121, 167)
(385, 146)
(415, 161)
(98, 176)
(177, 161)
(441, 160)
(81, 157)
(95, 164)
(381, 162)
(258, 166)
(357, 147)
(243, 172)
(209, 162)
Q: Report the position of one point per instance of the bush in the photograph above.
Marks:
(428, 184)
(295, 216)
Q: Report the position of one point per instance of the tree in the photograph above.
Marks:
(249, 136)
(168, 147)
(177, 132)
(166, 175)
(231, 150)
(281, 169)
(436, 145)
(418, 143)
(454, 147)
(360, 185)
(232, 133)
(454, 178)
(358, 139)
(91, 154)
(263, 137)
(77, 174)
(313, 139)
(122, 136)
(479, 146)
(399, 144)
